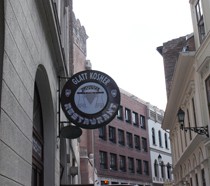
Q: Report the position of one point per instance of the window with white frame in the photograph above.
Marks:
(142, 122)
(162, 168)
(153, 137)
(169, 171)
(135, 119)
(156, 168)
(120, 113)
(166, 141)
(160, 138)
(127, 115)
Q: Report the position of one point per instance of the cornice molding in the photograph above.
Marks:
(205, 68)
(190, 92)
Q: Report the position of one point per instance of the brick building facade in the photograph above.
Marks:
(121, 148)
(170, 52)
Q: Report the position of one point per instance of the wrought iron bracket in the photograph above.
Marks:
(198, 130)
(59, 109)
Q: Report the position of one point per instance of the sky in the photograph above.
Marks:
(123, 36)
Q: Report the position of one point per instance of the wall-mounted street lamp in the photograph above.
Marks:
(161, 162)
(198, 130)
(160, 159)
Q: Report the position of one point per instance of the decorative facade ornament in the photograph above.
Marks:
(79, 34)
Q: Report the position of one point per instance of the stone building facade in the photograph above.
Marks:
(189, 91)
(36, 48)
(160, 148)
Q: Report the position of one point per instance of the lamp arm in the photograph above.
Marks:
(198, 130)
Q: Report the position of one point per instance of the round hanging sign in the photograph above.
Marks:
(90, 99)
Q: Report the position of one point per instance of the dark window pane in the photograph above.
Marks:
(103, 159)
(102, 132)
(112, 134)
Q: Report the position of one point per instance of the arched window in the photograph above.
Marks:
(153, 136)
(160, 138)
(162, 168)
(37, 157)
(169, 171)
(166, 140)
(156, 169)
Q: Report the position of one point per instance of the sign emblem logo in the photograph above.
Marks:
(90, 99)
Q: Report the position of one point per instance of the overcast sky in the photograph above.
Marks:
(123, 37)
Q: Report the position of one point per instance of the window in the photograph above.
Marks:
(112, 134)
(203, 177)
(166, 140)
(191, 183)
(103, 159)
(208, 93)
(138, 166)
(146, 167)
(189, 124)
(127, 115)
(200, 21)
(142, 122)
(120, 113)
(113, 161)
(156, 168)
(194, 112)
(38, 141)
(162, 168)
(137, 142)
(160, 138)
(129, 140)
(135, 119)
(102, 132)
(144, 144)
(122, 163)
(130, 165)
(196, 178)
(121, 137)
(169, 171)
(153, 137)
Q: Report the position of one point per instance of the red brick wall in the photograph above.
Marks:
(109, 147)
(170, 52)
(86, 146)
